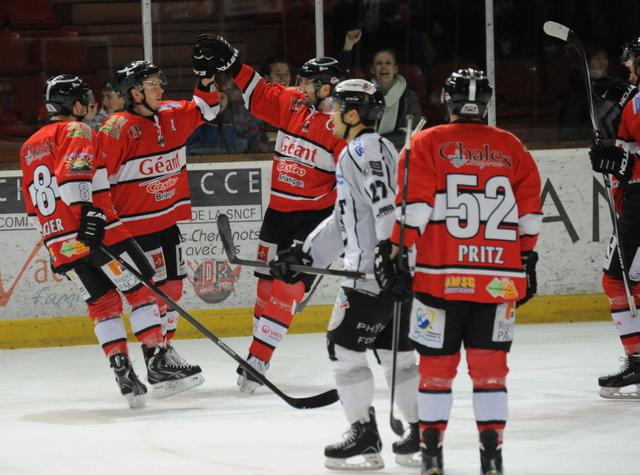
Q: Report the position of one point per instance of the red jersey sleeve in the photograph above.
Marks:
(75, 167)
(421, 189)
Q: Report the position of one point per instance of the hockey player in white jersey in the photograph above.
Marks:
(362, 314)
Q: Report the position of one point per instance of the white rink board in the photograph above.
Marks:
(570, 260)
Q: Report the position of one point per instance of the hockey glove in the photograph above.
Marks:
(213, 54)
(280, 266)
(92, 224)
(612, 160)
(391, 278)
(529, 261)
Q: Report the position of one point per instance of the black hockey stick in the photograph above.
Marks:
(320, 400)
(396, 424)
(565, 34)
(301, 306)
(224, 230)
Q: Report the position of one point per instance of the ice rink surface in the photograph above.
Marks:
(61, 413)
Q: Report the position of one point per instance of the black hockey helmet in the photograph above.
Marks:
(361, 95)
(132, 75)
(630, 48)
(466, 93)
(323, 70)
(61, 93)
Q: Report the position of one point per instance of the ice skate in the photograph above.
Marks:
(490, 453)
(407, 450)
(361, 440)
(168, 373)
(130, 386)
(431, 450)
(247, 383)
(625, 384)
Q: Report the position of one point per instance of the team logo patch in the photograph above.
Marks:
(502, 287)
(263, 253)
(78, 130)
(135, 132)
(78, 162)
(427, 325)
(339, 309)
(214, 280)
(37, 152)
(456, 284)
(158, 260)
(113, 126)
(73, 248)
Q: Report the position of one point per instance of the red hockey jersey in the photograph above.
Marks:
(629, 139)
(61, 173)
(304, 161)
(147, 161)
(473, 205)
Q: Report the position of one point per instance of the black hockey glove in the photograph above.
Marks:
(92, 224)
(213, 54)
(612, 160)
(280, 266)
(392, 279)
(529, 261)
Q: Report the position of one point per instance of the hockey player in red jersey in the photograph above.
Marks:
(302, 177)
(145, 151)
(66, 191)
(473, 213)
(621, 161)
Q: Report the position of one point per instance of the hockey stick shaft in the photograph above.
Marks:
(224, 230)
(396, 424)
(565, 34)
(320, 400)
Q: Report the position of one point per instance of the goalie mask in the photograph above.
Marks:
(132, 75)
(466, 93)
(61, 93)
(361, 95)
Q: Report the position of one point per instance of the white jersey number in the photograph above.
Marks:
(42, 191)
(472, 207)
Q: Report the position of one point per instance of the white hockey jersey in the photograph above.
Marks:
(364, 211)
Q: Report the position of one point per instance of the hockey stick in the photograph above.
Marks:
(300, 306)
(565, 34)
(319, 400)
(396, 424)
(224, 230)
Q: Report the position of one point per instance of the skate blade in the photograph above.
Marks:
(434, 471)
(169, 388)
(136, 401)
(409, 460)
(616, 393)
(371, 462)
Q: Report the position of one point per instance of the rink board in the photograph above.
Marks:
(38, 308)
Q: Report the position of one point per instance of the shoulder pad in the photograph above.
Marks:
(113, 125)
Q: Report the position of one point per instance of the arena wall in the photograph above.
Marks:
(38, 308)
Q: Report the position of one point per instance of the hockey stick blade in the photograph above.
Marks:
(556, 30)
(224, 230)
(311, 402)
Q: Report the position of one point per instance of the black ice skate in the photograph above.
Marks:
(629, 375)
(168, 373)
(431, 450)
(130, 386)
(490, 453)
(407, 450)
(361, 440)
(246, 382)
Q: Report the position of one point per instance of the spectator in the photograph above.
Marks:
(112, 101)
(276, 71)
(399, 99)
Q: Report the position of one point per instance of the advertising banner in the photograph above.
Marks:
(575, 229)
